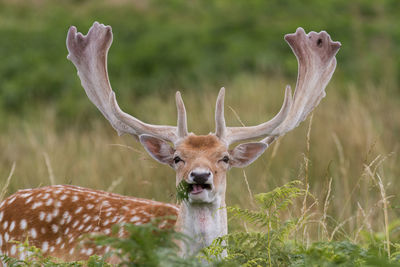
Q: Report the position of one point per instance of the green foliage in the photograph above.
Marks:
(35, 258)
(146, 245)
(271, 244)
(266, 246)
(162, 46)
(182, 191)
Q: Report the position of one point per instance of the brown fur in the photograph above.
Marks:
(59, 215)
(201, 141)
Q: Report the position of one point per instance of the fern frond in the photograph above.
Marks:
(255, 217)
(280, 197)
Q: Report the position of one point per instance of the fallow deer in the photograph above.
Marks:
(54, 217)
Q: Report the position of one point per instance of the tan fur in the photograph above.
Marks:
(204, 151)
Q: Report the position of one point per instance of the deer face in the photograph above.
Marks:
(202, 161)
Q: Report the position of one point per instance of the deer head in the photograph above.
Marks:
(202, 161)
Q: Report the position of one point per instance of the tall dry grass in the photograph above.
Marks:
(350, 157)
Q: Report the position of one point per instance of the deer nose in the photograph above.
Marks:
(200, 177)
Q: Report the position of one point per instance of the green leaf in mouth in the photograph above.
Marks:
(182, 191)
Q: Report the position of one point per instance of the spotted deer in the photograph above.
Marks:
(54, 217)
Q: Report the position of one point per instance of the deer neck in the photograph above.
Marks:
(202, 223)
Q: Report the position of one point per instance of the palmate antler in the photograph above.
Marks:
(315, 54)
(89, 55)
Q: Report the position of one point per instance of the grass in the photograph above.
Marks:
(349, 141)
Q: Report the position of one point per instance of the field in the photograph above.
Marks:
(347, 155)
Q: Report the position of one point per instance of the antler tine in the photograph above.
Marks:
(89, 55)
(182, 120)
(315, 53)
(220, 126)
(236, 134)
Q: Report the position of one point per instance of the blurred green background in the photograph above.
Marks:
(161, 46)
(49, 128)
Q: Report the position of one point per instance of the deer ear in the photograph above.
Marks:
(245, 154)
(158, 149)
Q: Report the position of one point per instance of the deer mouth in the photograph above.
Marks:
(198, 188)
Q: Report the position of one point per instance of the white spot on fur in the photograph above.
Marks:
(45, 246)
(12, 226)
(43, 230)
(78, 210)
(55, 212)
(89, 206)
(37, 205)
(71, 251)
(1, 216)
(28, 200)
(75, 198)
(54, 227)
(6, 237)
(13, 249)
(42, 215)
(22, 224)
(66, 231)
(25, 195)
(87, 219)
(63, 197)
(67, 216)
(89, 252)
(49, 202)
(105, 203)
(49, 217)
(58, 241)
(5, 225)
(33, 233)
(134, 219)
(11, 200)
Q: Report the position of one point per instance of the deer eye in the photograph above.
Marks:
(225, 159)
(177, 160)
